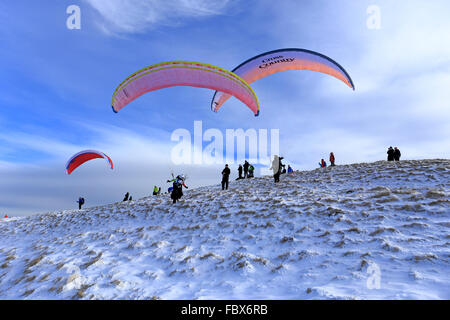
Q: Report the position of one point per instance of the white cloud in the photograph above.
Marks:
(137, 16)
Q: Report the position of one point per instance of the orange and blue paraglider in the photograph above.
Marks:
(83, 156)
(275, 61)
(183, 73)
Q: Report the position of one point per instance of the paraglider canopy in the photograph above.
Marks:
(183, 73)
(83, 156)
(275, 61)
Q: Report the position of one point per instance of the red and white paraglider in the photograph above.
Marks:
(83, 156)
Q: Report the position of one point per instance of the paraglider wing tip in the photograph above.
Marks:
(257, 113)
(114, 110)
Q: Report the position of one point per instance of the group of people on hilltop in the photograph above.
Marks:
(323, 163)
(248, 170)
(245, 171)
(394, 154)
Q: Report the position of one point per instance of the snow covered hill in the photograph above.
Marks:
(361, 231)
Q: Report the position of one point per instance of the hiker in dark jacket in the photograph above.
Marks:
(390, 154)
(80, 202)
(126, 197)
(240, 172)
(225, 176)
(246, 165)
(397, 154)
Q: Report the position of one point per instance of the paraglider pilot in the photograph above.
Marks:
(177, 188)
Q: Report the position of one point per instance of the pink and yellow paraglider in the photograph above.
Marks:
(271, 62)
(83, 156)
(183, 73)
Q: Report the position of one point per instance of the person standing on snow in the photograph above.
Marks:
(225, 176)
(155, 190)
(390, 154)
(246, 165)
(240, 172)
(126, 197)
(332, 159)
(396, 154)
(177, 188)
(322, 164)
(289, 170)
(251, 170)
(80, 202)
(276, 167)
(281, 165)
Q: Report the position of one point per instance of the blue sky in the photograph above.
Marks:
(56, 88)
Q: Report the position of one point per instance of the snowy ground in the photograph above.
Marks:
(321, 234)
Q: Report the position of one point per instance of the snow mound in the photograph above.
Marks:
(363, 231)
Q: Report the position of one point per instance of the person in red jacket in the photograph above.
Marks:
(332, 159)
